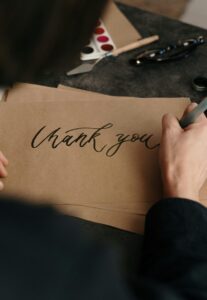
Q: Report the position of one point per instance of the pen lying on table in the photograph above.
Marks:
(135, 45)
(191, 117)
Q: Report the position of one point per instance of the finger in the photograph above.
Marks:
(3, 159)
(3, 171)
(191, 107)
(1, 185)
(170, 122)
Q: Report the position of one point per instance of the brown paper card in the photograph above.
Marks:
(122, 180)
(29, 92)
(119, 27)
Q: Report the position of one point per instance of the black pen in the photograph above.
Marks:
(191, 117)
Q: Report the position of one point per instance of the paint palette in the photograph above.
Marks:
(100, 43)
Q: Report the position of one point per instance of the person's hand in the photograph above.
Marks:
(3, 171)
(183, 156)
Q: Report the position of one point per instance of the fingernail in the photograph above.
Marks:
(1, 185)
(193, 104)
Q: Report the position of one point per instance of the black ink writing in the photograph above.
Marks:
(88, 135)
(145, 139)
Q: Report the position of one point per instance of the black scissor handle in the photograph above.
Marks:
(171, 52)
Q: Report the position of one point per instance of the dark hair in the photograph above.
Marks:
(40, 34)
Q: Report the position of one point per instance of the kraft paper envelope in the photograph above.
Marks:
(120, 29)
(31, 92)
(99, 170)
(72, 89)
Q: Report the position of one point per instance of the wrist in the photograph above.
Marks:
(177, 186)
(172, 191)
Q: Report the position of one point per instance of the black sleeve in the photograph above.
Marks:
(175, 248)
(44, 255)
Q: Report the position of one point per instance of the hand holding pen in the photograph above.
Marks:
(183, 158)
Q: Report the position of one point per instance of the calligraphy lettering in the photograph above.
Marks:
(88, 135)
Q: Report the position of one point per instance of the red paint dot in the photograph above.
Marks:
(99, 30)
(103, 39)
(107, 47)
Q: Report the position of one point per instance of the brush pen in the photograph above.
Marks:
(192, 116)
(138, 44)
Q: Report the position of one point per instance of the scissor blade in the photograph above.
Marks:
(83, 68)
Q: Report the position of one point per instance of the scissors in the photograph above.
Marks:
(172, 52)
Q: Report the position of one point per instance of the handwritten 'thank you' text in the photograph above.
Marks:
(84, 136)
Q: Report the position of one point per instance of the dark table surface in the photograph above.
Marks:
(117, 77)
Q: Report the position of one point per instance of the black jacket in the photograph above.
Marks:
(43, 255)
